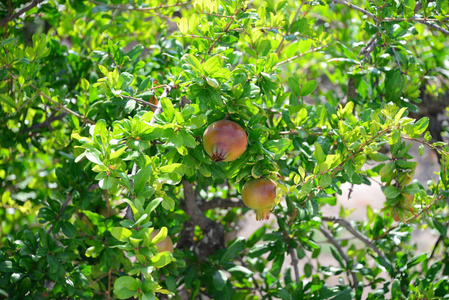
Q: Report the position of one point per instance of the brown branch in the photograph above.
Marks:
(428, 207)
(355, 7)
(62, 107)
(46, 123)
(9, 18)
(144, 9)
(354, 232)
(220, 203)
(299, 55)
(413, 18)
(225, 30)
(68, 198)
(141, 101)
(343, 254)
(158, 109)
(289, 27)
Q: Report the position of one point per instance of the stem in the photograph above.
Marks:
(139, 9)
(290, 27)
(9, 18)
(63, 207)
(299, 55)
(343, 254)
(225, 30)
(62, 107)
(354, 232)
(141, 101)
(413, 18)
(429, 206)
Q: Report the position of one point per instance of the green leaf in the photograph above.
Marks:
(396, 290)
(421, 126)
(173, 168)
(233, 250)
(240, 271)
(168, 204)
(141, 179)
(121, 234)
(212, 65)
(319, 154)
(161, 259)
(391, 192)
(162, 234)
(308, 88)
(153, 205)
(169, 111)
(219, 279)
(394, 83)
(125, 287)
(278, 146)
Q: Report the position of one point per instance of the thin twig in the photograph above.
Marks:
(354, 232)
(294, 263)
(414, 19)
(141, 101)
(290, 27)
(343, 254)
(429, 206)
(225, 30)
(158, 109)
(68, 198)
(62, 107)
(129, 213)
(397, 60)
(355, 7)
(299, 55)
(7, 19)
(144, 9)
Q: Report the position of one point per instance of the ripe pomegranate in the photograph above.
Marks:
(224, 140)
(260, 194)
(164, 245)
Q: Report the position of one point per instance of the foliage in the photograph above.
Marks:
(104, 104)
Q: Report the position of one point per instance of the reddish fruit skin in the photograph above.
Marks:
(164, 245)
(224, 140)
(260, 194)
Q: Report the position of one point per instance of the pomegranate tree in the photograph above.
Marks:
(260, 195)
(224, 140)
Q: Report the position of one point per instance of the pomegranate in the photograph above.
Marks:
(164, 245)
(260, 194)
(224, 140)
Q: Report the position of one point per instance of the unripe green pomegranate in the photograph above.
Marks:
(164, 245)
(224, 140)
(260, 195)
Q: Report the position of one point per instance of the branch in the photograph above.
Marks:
(299, 55)
(141, 101)
(63, 207)
(343, 254)
(413, 18)
(46, 123)
(129, 212)
(9, 18)
(138, 9)
(62, 107)
(354, 232)
(225, 30)
(220, 203)
(355, 7)
(290, 26)
(158, 109)
(429, 206)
